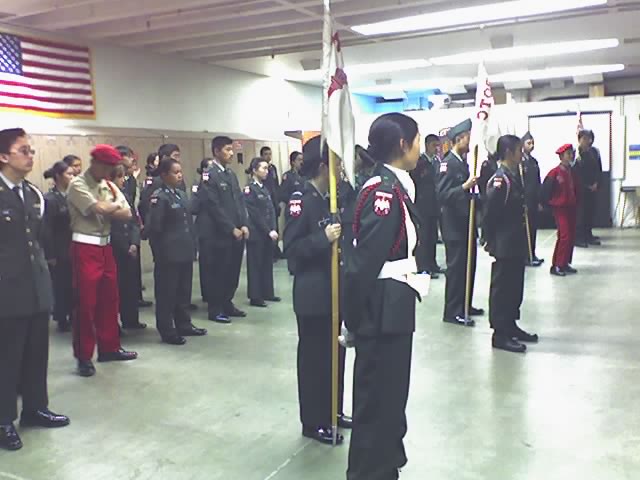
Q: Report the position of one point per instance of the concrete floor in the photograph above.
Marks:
(225, 406)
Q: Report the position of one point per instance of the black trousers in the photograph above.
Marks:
(455, 288)
(61, 278)
(380, 392)
(260, 269)
(128, 287)
(532, 214)
(586, 215)
(138, 285)
(173, 295)
(314, 371)
(223, 267)
(506, 295)
(203, 264)
(24, 357)
(426, 252)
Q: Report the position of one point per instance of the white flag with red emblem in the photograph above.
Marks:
(486, 130)
(580, 126)
(338, 124)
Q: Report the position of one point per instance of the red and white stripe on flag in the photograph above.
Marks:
(338, 124)
(45, 77)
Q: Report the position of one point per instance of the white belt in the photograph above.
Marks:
(398, 268)
(91, 239)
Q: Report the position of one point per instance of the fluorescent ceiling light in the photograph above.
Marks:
(465, 101)
(474, 15)
(413, 86)
(366, 69)
(558, 72)
(526, 52)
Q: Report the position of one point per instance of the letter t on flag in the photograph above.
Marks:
(338, 125)
(485, 129)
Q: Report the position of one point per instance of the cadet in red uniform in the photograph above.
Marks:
(559, 191)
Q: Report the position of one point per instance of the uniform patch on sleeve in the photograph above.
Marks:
(194, 189)
(382, 204)
(443, 167)
(205, 176)
(148, 181)
(295, 207)
(247, 190)
(497, 182)
(284, 177)
(154, 200)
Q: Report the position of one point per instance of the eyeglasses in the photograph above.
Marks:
(26, 151)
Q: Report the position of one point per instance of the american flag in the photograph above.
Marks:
(45, 77)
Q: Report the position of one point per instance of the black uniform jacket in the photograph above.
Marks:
(291, 182)
(532, 182)
(169, 226)
(504, 220)
(487, 170)
(57, 224)
(309, 252)
(25, 282)
(220, 198)
(376, 306)
(453, 199)
(590, 164)
(125, 234)
(261, 212)
(424, 176)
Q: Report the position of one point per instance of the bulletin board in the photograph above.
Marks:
(632, 153)
(552, 131)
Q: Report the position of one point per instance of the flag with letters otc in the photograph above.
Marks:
(485, 129)
(47, 78)
(338, 124)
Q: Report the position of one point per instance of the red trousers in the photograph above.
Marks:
(566, 222)
(95, 284)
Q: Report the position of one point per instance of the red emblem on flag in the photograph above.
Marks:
(295, 208)
(338, 81)
(382, 204)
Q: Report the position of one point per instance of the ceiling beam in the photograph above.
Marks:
(23, 8)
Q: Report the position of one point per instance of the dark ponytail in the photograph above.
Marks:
(204, 164)
(56, 170)
(385, 134)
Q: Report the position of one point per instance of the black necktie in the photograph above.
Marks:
(17, 189)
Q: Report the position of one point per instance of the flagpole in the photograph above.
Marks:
(471, 239)
(526, 219)
(335, 297)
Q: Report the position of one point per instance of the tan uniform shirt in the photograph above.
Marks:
(84, 192)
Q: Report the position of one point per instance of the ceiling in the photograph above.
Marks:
(284, 37)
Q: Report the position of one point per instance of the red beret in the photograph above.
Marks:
(564, 148)
(106, 154)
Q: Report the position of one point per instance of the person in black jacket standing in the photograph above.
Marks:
(58, 242)
(169, 228)
(221, 199)
(424, 176)
(25, 295)
(455, 185)
(291, 180)
(262, 224)
(272, 184)
(308, 235)
(532, 192)
(589, 164)
(506, 237)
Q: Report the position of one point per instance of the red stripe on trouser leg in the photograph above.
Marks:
(566, 223)
(96, 288)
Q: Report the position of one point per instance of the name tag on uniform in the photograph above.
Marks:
(176, 205)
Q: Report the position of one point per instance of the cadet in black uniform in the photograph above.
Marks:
(25, 295)
(169, 228)
(532, 186)
(487, 170)
(454, 194)
(308, 236)
(381, 290)
(222, 200)
(272, 184)
(262, 224)
(424, 176)
(506, 237)
(125, 241)
(291, 180)
(58, 242)
(589, 164)
(201, 225)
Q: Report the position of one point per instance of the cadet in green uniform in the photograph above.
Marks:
(58, 243)
(506, 238)
(25, 295)
(308, 236)
(262, 224)
(169, 228)
(454, 188)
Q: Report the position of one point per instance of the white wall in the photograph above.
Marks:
(136, 89)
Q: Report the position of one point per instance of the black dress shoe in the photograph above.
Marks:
(174, 340)
(258, 303)
(526, 337)
(192, 307)
(539, 261)
(476, 312)
(274, 299)
(345, 421)
(86, 368)
(120, 356)
(135, 326)
(459, 320)
(570, 270)
(220, 318)
(595, 242)
(557, 271)
(582, 244)
(43, 418)
(144, 303)
(507, 344)
(9, 438)
(433, 274)
(233, 311)
(192, 332)
(322, 435)
(64, 326)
